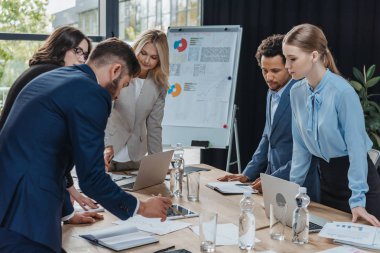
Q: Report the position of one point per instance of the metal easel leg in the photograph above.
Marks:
(237, 146)
(233, 133)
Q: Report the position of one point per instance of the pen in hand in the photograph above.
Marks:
(110, 159)
(109, 162)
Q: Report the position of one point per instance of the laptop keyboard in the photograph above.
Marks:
(314, 227)
(128, 186)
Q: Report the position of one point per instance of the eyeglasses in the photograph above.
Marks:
(79, 52)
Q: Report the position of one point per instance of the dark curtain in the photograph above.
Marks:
(352, 28)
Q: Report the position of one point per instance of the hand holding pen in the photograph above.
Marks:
(155, 207)
(108, 156)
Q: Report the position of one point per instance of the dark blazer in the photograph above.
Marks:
(28, 75)
(58, 115)
(274, 153)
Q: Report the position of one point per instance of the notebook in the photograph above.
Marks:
(119, 237)
(230, 188)
(276, 190)
(153, 169)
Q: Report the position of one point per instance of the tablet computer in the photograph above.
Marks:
(180, 212)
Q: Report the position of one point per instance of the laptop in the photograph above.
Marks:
(152, 171)
(277, 190)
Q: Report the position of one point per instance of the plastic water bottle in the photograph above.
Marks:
(300, 224)
(247, 223)
(176, 173)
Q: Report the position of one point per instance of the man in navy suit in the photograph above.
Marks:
(274, 153)
(57, 119)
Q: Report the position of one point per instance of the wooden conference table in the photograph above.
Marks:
(228, 211)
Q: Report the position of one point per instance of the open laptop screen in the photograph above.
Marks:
(277, 190)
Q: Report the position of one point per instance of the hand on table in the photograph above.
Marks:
(238, 177)
(359, 211)
(256, 185)
(83, 201)
(85, 218)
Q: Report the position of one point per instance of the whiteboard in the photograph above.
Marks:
(203, 72)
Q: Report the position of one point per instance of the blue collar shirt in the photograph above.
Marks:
(275, 100)
(328, 122)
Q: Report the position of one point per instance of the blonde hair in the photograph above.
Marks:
(158, 38)
(311, 38)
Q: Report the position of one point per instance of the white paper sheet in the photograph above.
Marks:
(343, 249)
(350, 232)
(154, 225)
(226, 234)
(234, 187)
(78, 208)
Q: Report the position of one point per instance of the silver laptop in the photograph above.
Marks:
(277, 190)
(153, 169)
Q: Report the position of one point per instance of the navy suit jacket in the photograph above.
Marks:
(274, 153)
(58, 117)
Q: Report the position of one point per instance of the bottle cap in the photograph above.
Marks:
(247, 194)
(302, 190)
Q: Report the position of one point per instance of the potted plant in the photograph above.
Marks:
(364, 81)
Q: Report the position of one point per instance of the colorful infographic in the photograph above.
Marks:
(180, 45)
(174, 90)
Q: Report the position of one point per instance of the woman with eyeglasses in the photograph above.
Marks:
(66, 46)
(134, 127)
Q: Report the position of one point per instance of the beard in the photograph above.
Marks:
(113, 87)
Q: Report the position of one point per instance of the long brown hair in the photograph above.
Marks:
(54, 48)
(160, 41)
(311, 38)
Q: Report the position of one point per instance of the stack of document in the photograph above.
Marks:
(119, 237)
(355, 234)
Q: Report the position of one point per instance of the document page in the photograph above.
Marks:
(154, 225)
(226, 234)
(234, 187)
(350, 232)
(343, 249)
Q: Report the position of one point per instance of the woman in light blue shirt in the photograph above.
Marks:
(328, 123)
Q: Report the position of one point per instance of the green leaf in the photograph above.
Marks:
(373, 123)
(373, 95)
(374, 104)
(359, 75)
(357, 86)
(375, 139)
(372, 82)
(371, 71)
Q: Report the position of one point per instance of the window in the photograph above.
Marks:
(83, 14)
(14, 56)
(24, 24)
(136, 16)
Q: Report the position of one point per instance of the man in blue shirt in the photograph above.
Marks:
(274, 153)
